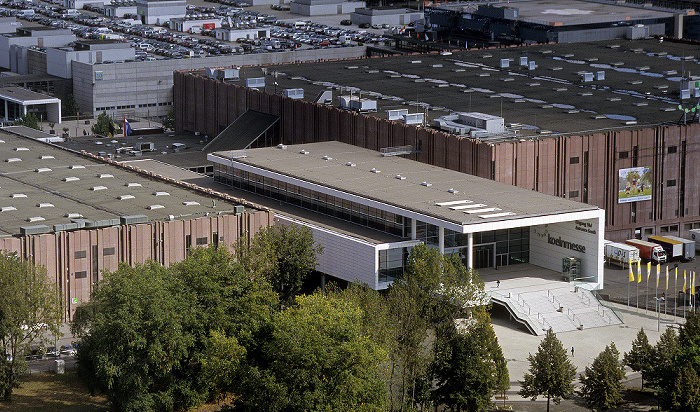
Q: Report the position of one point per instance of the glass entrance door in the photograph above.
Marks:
(485, 255)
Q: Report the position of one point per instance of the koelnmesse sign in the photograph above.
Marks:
(565, 244)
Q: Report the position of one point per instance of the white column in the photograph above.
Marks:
(441, 239)
(470, 250)
(413, 229)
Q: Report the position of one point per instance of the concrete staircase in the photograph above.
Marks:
(564, 308)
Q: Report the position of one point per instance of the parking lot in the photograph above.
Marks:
(287, 31)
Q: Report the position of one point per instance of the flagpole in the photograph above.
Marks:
(675, 293)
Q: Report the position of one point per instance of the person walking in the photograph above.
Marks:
(572, 351)
(498, 283)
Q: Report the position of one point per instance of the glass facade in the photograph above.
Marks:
(491, 249)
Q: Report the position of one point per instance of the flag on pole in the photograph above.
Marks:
(639, 271)
(675, 279)
(692, 285)
(658, 274)
(684, 280)
(648, 272)
(127, 128)
(631, 273)
(666, 277)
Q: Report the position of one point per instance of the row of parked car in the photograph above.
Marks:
(52, 352)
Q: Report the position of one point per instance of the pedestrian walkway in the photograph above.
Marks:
(538, 299)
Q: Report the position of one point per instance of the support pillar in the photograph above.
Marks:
(441, 239)
(470, 251)
(413, 229)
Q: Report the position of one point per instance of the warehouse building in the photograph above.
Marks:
(80, 215)
(597, 123)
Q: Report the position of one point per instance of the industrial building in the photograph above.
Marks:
(546, 21)
(79, 215)
(604, 123)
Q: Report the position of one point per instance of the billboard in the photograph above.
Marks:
(634, 184)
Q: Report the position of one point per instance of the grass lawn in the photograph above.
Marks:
(48, 392)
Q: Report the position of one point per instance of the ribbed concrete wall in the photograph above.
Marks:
(76, 259)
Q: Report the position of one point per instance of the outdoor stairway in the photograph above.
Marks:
(562, 309)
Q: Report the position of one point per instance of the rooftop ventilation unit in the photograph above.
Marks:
(531, 65)
(351, 164)
(73, 215)
(400, 177)
(396, 114)
(426, 184)
(161, 194)
(34, 230)
(7, 208)
(21, 149)
(77, 167)
(132, 184)
(71, 179)
(302, 151)
(413, 118)
(153, 207)
(255, 82)
(105, 176)
(13, 159)
(133, 219)
(96, 188)
(190, 203)
(44, 205)
(65, 226)
(586, 77)
(327, 158)
(126, 197)
(42, 170)
(46, 157)
(375, 170)
(18, 195)
(325, 97)
(35, 219)
(294, 93)
(453, 191)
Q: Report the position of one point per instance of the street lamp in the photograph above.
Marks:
(658, 312)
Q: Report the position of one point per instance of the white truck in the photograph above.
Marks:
(695, 235)
(621, 254)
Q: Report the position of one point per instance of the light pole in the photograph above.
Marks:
(658, 312)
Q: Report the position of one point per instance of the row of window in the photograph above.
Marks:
(132, 106)
(82, 254)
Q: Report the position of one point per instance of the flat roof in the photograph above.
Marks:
(576, 12)
(641, 85)
(42, 184)
(425, 189)
(24, 95)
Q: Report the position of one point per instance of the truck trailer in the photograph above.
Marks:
(621, 254)
(675, 249)
(688, 247)
(695, 236)
(648, 250)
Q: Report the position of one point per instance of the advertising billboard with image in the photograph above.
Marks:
(634, 184)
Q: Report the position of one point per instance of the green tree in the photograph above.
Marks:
(469, 367)
(601, 384)
(323, 360)
(169, 120)
(663, 370)
(133, 341)
(104, 126)
(639, 358)
(28, 120)
(285, 255)
(30, 315)
(551, 373)
(70, 106)
(686, 395)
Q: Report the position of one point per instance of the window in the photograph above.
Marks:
(672, 149)
(108, 251)
(201, 241)
(624, 155)
(663, 229)
(674, 228)
(573, 193)
(80, 254)
(81, 275)
(574, 160)
(671, 183)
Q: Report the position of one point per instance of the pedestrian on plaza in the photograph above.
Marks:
(572, 351)
(498, 283)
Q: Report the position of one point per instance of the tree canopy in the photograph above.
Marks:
(601, 383)
(104, 125)
(639, 358)
(28, 120)
(551, 373)
(30, 315)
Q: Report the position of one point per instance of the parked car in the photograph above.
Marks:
(68, 350)
(345, 22)
(53, 352)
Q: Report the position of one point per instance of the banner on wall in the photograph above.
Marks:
(634, 184)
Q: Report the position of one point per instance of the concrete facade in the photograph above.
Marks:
(59, 59)
(227, 34)
(392, 17)
(323, 7)
(160, 11)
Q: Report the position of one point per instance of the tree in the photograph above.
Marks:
(28, 120)
(30, 316)
(285, 255)
(104, 126)
(686, 394)
(470, 366)
(601, 384)
(639, 358)
(323, 360)
(550, 374)
(70, 106)
(663, 371)
(169, 120)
